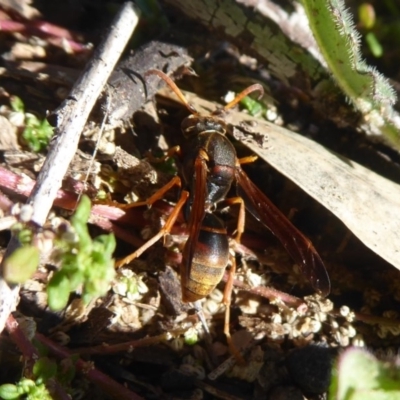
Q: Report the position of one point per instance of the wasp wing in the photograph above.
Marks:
(296, 244)
(197, 213)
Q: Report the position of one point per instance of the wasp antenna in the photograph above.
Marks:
(174, 88)
(253, 88)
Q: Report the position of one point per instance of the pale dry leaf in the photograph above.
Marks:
(22, 7)
(8, 137)
(364, 201)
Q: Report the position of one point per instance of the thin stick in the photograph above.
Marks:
(100, 135)
(75, 110)
(73, 114)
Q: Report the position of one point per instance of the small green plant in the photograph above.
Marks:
(360, 376)
(368, 90)
(191, 337)
(32, 389)
(36, 133)
(166, 165)
(23, 262)
(254, 107)
(86, 263)
(129, 284)
(367, 18)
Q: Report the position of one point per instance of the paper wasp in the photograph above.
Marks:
(210, 167)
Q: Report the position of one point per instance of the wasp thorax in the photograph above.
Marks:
(195, 124)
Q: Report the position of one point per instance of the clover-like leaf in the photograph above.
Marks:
(9, 391)
(21, 264)
(58, 290)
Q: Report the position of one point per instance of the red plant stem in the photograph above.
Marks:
(111, 387)
(271, 294)
(28, 351)
(122, 347)
(103, 215)
(70, 45)
(5, 202)
(264, 291)
(12, 26)
(373, 320)
(42, 29)
(30, 354)
(23, 185)
(57, 390)
(53, 30)
(11, 21)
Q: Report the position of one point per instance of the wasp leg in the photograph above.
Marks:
(171, 152)
(200, 314)
(240, 201)
(175, 181)
(247, 160)
(174, 88)
(163, 231)
(244, 93)
(227, 301)
(241, 216)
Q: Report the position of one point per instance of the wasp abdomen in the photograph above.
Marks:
(210, 258)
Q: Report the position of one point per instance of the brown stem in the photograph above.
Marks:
(111, 387)
(122, 347)
(28, 351)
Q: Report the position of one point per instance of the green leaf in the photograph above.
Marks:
(37, 134)
(66, 371)
(21, 264)
(108, 244)
(9, 391)
(58, 290)
(39, 392)
(368, 90)
(366, 15)
(360, 376)
(23, 234)
(17, 104)
(191, 337)
(254, 107)
(25, 385)
(85, 263)
(42, 350)
(79, 222)
(82, 212)
(374, 45)
(44, 369)
(164, 165)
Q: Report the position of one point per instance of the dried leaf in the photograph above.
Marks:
(22, 7)
(364, 201)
